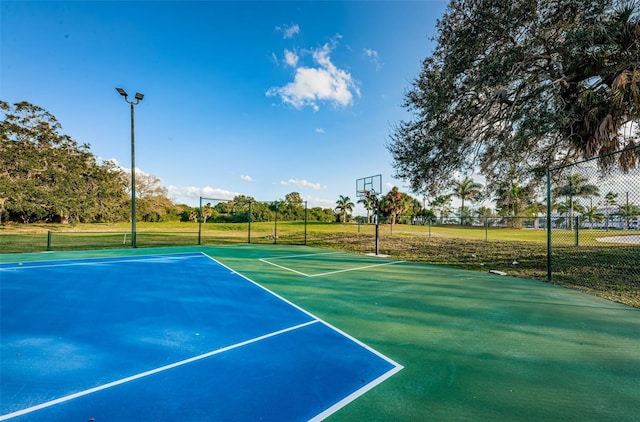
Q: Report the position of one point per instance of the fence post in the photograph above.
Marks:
(275, 226)
(199, 232)
(199, 216)
(249, 229)
(577, 222)
(548, 224)
(486, 229)
(49, 240)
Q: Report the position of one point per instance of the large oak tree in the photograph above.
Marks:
(515, 86)
(47, 176)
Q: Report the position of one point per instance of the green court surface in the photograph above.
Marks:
(474, 346)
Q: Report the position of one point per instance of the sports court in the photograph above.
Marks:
(269, 332)
(168, 337)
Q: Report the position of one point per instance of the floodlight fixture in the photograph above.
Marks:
(139, 96)
(121, 92)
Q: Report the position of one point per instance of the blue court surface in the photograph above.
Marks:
(168, 337)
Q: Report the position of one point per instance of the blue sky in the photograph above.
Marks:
(254, 98)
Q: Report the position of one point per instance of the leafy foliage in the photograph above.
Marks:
(344, 206)
(516, 86)
(47, 176)
(466, 189)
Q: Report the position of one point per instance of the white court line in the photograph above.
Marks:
(151, 372)
(95, 261)
(284, 268)
(306, 255)
(357, 268)
(351, 397)
(265, 260)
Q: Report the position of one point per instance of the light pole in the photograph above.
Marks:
(138, 98)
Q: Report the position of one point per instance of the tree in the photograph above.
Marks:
(322, 215)
(609, 201)
(369, 204)
(466, 189)
(293, 206)
(592, 215)
(442, 204)
(484, 213)
(396, 203)
(514, 86)
(427, 216)
(344, 206)
(628, 211)
(575, 185)
(48, 176)
(534, 209)
(152, 200)
(568, 208)
(512, 201)
(416, 209)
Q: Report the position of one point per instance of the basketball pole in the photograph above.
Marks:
(375, 199)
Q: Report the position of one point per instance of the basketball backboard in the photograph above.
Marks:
(369, 186)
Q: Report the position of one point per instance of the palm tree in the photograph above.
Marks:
(511, 201)
(416, 209)
(610, 200)
(591, 214)
(396, 203)
(343, 206)
(534, 209)
(627, 211)
(484, 213)
(441, 203)
(568, 208)
(575, 185)
(466, 189)
(369, 204)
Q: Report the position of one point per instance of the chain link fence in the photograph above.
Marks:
(594, 223)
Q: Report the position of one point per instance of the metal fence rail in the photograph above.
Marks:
(594, 218)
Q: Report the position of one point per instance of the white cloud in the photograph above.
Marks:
(303, 184)
(319, 130)
(313, 201)
(325, 82)
(373, 57)
(191, 194)
(290, 58)
(246, 178)
(128, 169)
(289, 31)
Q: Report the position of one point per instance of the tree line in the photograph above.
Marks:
(514, 205)
(46, 176)
(242, 209)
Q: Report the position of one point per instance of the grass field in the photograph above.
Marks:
(605, 270)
